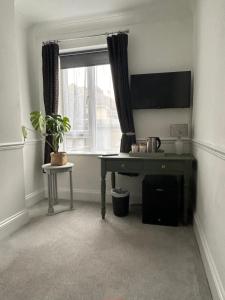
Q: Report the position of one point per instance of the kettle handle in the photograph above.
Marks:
(159, 142)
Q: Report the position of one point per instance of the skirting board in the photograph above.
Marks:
(13, 223)
(90, 195)
(214, 280)
(33, 198)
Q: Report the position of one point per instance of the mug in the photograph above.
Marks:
(142, 147)
(134, 148)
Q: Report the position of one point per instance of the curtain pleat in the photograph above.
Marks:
(118, 57)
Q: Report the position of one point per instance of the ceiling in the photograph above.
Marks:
(50, 10)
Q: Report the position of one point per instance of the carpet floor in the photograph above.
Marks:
(75, 255)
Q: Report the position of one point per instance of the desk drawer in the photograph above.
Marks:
(164, 166)
(124, 166)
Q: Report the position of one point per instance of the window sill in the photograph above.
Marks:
(90, 153)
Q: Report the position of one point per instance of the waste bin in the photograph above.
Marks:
(120, 200)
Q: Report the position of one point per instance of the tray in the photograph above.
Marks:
(147, 154)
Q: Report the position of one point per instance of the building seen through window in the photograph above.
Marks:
(87, 98)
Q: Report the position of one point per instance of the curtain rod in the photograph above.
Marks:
(87, 36)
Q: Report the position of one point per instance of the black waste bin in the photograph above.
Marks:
(120, 200)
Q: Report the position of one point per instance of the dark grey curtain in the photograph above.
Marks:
(50, 70)
(117, 47)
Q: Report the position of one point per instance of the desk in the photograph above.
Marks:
(167, 164)
(52, 184)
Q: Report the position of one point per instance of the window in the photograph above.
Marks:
(87, 98)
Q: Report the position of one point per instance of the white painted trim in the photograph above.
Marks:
(87, 21)
(11, 146)
(90, 195)
(32, 142)
(173, 140)
(213, 276)
(34, 197)
(13, 223)
(210, 148)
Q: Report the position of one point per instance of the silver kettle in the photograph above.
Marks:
(153, 144)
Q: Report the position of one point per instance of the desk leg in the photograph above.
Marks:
(186, 199)
(103, 188)
(113, 180)
(50, 195)
(71, 190)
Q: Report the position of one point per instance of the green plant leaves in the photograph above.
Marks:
(66, 124)
(51, 125)
(38, 121)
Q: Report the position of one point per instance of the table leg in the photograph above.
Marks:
(113, 180)
(55, 189)
(71, 190)
(103, 188)
(50, 196)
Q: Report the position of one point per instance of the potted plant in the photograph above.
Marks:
(53, 126)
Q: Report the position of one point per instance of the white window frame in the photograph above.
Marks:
(92, 115)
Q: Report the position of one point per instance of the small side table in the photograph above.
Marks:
(52, 184)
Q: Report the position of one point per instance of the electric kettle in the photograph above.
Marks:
(153, 144)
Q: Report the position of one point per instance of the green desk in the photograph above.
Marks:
(167, 164)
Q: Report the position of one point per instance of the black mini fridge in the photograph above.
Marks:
(161, 199)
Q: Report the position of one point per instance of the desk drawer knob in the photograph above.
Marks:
(163, 166)
(122, 165)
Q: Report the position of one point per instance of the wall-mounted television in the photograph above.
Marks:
(161, 90)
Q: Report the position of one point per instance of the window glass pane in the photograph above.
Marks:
(88, 100)
(75, 106)
(107, 125)
(75, 98)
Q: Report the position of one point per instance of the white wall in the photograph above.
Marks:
(209, 138)
(160, 46)
(32, 151)
(10, 131)
(159, 40)
(12, 212)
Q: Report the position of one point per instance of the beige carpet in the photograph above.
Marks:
(75, 255)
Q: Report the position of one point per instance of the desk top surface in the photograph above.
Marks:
(166, 156)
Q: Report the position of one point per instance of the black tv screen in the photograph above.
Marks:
(161, 90)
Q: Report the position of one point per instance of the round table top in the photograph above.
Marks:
(50, 167)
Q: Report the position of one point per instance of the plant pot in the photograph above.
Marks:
(59, 158)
